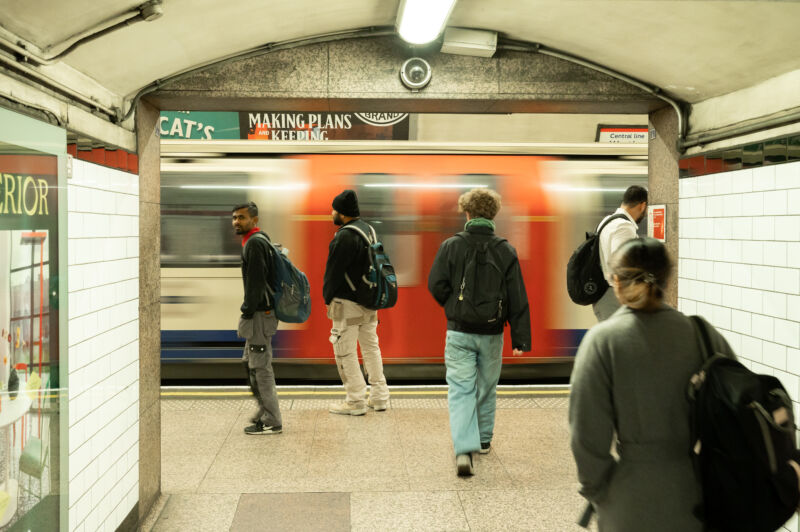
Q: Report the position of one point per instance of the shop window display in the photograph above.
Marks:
(29, 347)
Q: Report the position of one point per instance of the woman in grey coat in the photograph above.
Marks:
(629, 388)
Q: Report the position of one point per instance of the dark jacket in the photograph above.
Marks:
(256, 266)
(347, 253)
(448, 268)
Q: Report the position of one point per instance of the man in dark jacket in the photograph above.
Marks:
(476, 277)
(353, 324)
(258, 323)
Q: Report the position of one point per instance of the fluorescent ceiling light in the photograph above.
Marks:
(424, 185)
(421, 21)
(293, 186)
(570, 188)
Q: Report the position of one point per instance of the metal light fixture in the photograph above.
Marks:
(422, 21)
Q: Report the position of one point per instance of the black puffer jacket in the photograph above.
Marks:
(447, 269)
(256, 273)
(347, 253)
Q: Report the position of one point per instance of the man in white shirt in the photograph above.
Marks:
(616, 233)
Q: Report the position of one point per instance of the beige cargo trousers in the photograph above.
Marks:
(354, 325)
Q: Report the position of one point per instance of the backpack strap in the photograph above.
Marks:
(706, 348)
(363, 234)
(271, 251)
(369, 243)
(611, 219)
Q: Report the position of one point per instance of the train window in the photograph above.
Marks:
(394, 217)
(196, 221)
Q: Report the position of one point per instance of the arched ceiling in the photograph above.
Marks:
(694, 50)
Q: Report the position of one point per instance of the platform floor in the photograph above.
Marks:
(392, 470)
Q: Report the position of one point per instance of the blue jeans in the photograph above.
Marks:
(473, 368)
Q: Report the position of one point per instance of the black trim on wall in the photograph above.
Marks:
(768, 152)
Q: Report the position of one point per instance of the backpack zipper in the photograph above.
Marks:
(461, 293)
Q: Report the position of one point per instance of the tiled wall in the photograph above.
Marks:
(103, 360)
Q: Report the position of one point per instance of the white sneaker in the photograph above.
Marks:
(378, 406)
(347, 409)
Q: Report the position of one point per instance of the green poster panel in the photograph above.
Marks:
(198, 125)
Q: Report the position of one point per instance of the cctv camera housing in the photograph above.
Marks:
(415, 73)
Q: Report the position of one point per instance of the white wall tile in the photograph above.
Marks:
(688, 187)
(775, 202)
(787, 333)
(764, 277)
(787, 280)
(764, 178)
(787, 176)
(741, 322)
(752, 348)
(764, 326)
(787, 228)
(713, 293)
(732, 249)
(741, 275)
(715, 206)
(752, 252)
(732, 205)
(753, 204)
(705, 185)
(775, 253)
(764, 228)
(774, 355)
(742, 180)
(775, 304)
(793, 201)
(722, 272)
(103, 336)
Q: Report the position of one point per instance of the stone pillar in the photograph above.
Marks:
(149, 153)
(663, 183)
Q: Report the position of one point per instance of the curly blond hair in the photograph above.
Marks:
(480, 203)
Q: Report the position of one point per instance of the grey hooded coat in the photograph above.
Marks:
(629, 391)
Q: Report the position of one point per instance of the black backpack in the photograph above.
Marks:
(586, 283)
(377, 288)
(740, 448)
(479, 297)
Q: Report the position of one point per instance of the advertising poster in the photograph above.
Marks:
(287, 126)
(29, 347)
(657, 222)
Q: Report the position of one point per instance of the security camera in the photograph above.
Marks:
(415, 73)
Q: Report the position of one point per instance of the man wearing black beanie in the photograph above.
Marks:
(353, 324)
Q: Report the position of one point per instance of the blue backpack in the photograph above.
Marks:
(291, 294)
(378, 287)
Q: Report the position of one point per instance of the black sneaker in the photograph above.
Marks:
(260, 428)
(486, 446)
(464, 465)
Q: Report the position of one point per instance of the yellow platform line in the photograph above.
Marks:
(422, 392)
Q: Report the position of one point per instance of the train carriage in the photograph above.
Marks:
(411, 201)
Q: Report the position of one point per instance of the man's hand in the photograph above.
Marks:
(516, 352)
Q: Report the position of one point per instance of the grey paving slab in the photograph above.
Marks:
(397, 467)
(308, 512)
(401, 511)
(254, 483)
(183, 473)
(197, 512)
(529, 510)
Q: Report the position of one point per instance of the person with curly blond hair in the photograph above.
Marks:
(477, 278)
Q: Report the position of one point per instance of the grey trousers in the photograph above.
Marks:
(257, 358)
(606, 306)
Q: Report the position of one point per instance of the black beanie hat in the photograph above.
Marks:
(346, 204)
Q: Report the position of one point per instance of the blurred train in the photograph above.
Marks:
(548, 204)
